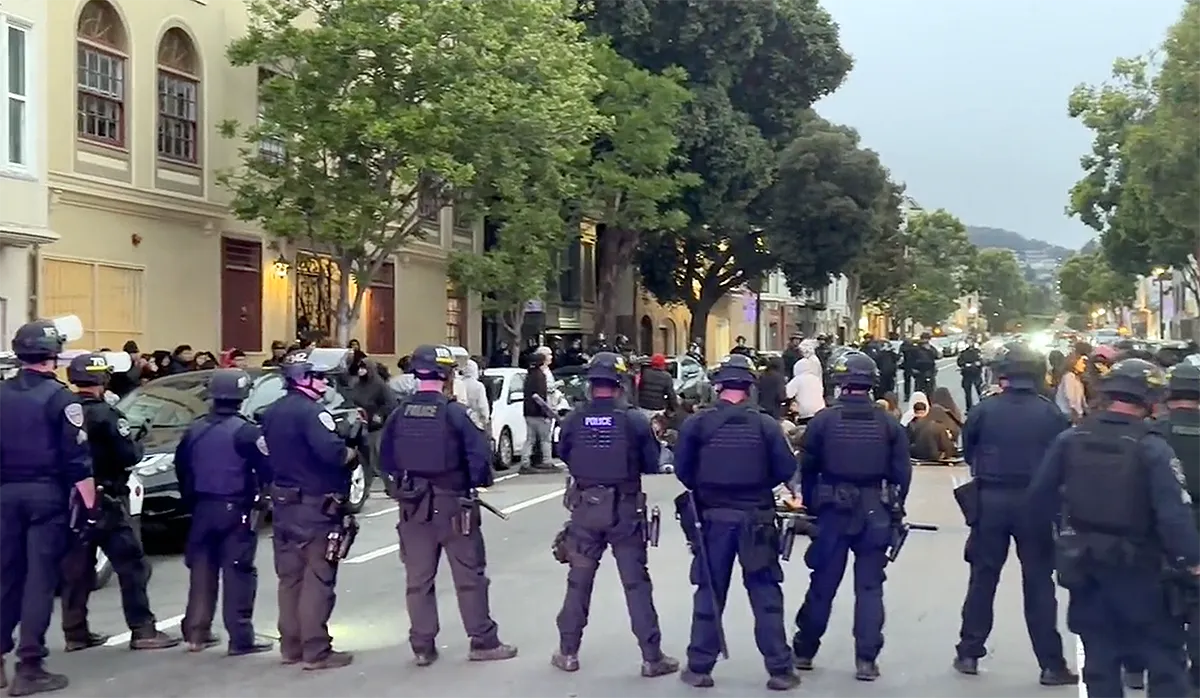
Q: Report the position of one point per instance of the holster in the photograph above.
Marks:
(467, 517)
(758, 545)
(1070, 560)
(559, 547)
(595, 507)
(688, 518)
(653, 526)
(415, 496)
(967, 496)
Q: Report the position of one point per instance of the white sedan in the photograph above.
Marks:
(506, 392)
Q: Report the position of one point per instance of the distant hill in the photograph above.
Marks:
(984, 237)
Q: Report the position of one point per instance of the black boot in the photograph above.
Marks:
(28, 680)
(1058, 677)
(966, 665)
(85, 642)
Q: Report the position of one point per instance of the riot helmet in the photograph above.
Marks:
(1183, 382)
(734, 371)
(37, 341)
(855, 370)
(229, 385)
(87, 370)
(1134, 380)
(606, 367)
(1017, 360)
(432, 362)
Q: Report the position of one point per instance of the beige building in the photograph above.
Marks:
(134, 92)
(23, 219)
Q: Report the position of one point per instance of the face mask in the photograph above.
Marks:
(362, 372)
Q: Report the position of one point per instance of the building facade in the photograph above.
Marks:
(24, 225)
(135, 91)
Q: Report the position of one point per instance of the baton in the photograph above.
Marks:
(487, 505)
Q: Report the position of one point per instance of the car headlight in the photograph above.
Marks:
(155, 464)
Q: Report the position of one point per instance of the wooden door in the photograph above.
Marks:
(381, 312)
(241, 295)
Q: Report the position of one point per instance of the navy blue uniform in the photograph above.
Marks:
(43, 453)
(222, 465)
(436, 455)
(607, 449)
(1006, 437)
(308, 462)
(1125, 514)
(852, 451)
(732, 457)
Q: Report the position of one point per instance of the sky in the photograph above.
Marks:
(966, 100)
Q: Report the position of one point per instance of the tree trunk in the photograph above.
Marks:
(615, 254)
(700, 309)
(345, 313)
(513, 329)
(853, 303)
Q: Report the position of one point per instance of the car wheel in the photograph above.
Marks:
(104, 571)
(504, 450)
(358, 489)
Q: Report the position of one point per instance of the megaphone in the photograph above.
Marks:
(329, 359)
(69, 326)
(118, 361)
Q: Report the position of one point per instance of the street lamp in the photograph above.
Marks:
(1161, 276)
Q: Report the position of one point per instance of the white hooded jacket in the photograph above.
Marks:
(474, 396)
(806, 388)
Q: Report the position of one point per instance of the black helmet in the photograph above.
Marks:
(854, 369)
(1137, 379)
(1183, 382)
(606, 366)
(88, 370)
(229, 385)
(735, 371)
(37, 341)
(432, 361)
(1016, 359)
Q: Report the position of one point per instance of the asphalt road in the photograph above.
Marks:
(924, 593)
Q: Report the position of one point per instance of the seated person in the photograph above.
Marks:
(945, 412)
(928, 440)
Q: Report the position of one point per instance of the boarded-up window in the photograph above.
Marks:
(455, 316)
(108, 298)
(381, 311)
(241, 295)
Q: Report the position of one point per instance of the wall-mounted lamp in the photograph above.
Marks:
(281, 267)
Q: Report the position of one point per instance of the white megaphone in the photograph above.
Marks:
(118, 361)
(69, 326)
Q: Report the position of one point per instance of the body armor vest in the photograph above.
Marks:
(219, 471)
(734, 453)
(1105, 489)
(425, 443)
(600, 447)
(29, 433)
(1184, 437)
(857, 448)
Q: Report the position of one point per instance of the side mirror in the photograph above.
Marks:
(514, 398)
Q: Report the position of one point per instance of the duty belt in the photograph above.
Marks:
(737, 516)
(1003, 484)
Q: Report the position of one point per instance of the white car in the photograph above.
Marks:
(505, 389)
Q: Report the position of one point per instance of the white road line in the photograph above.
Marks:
(1080, 660)
(164, 624)
(394, 509)
(395, 547)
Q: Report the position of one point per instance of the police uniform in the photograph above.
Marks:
(607, 448)
(43, 455)
(1124, 516)
(434, 456)
(310, 466)
(852, 454)
(1005, 439)
(221, 464)
(114, 452)
(731, 457)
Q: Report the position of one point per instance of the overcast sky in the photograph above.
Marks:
(965, 100)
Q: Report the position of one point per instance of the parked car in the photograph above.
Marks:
(691, 380)
(505, 388)
(168, 405)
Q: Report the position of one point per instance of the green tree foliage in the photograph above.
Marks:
(1003, 293)
(879, 271)
(938, 257)
(1042, 304)
(1086, 282)
(376, 102)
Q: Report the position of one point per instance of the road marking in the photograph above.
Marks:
(395, 547)
(125, 637)
(395, 508)
(1080, 660)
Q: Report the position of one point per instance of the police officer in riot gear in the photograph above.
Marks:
(310, 464)
(43, 455)
(222, 467)
(854, 475)
(607, 448)
(731, 457)
(1004, 441)
(434, 457)
(114, 452)
(1124, 515)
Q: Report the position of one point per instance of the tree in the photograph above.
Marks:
(879, 270)
(1086, 282)
(1003, 293)
(938, 256)
(376, 103)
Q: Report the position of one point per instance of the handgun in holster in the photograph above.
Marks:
(653, 526)
(464, 521)
(558, 548)
(792, 524)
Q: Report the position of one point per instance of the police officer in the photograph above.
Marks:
(607, 448)
(43, 455)
(221, 464)
(731, 457)
(1005, 439)
(310, 465)
(435, 456)
(114, 452)
(852, 454)
(1125, 515)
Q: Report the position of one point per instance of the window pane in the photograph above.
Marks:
(16, 61)
(16, 131)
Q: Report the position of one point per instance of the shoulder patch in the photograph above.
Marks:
(261, 443)
(123, 427)
(1177, 469)
(327, 420)
(81, 437)
(74, 414)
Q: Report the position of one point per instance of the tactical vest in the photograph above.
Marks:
(108, 471)
(734, 454)
(29, 433)
(1105, 489)
(600, 452)
(856, 448)
(1184, 437)
(218, 470)
(425, 443)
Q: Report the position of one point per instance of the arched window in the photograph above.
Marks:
(103, 51)
(178, 98)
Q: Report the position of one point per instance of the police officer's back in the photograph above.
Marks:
(854, 474)
(435, 456)
(43, 455)
(114, 451)
(1124, 516)
(607, 448)
(731, 457)
(1005, 439)
(221, 464)
(310, 467)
